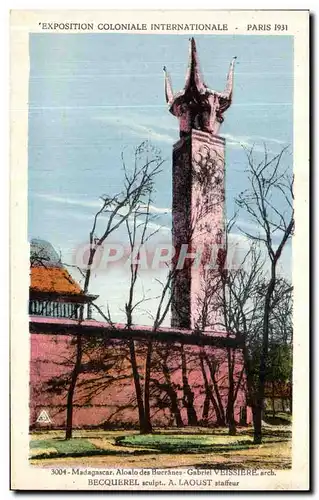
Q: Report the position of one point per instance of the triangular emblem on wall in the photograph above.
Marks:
(44, 417)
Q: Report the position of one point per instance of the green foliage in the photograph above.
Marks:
(165, 442)
(69, 447)
(186, 443)
(279, 363)
(283, 419)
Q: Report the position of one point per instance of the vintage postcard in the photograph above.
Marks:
(159, 250)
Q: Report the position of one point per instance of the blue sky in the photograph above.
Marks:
(91, 96)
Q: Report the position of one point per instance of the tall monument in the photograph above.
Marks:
(198, 194)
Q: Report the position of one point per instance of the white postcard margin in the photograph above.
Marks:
(27, 477)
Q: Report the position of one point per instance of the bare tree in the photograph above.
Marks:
(138, 231)
(239, 305)
(246, 295)
(138, 184)
(165, 367)
(269, 203)
(279, 364)
(160, 315)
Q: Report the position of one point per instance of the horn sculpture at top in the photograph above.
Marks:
(196, 106)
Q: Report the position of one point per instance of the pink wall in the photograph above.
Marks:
(105, 392)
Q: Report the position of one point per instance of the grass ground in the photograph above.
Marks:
(196, 447)
(280, 418)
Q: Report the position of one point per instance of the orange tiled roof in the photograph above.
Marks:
(53, 279)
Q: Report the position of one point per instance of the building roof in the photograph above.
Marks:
(53, 279)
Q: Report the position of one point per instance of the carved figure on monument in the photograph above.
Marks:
(196, 106)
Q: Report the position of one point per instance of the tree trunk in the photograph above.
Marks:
(70, 396)
(138, 391)
(273, 400)
(220, 420)
(205, 412)
(188, 398)
(257, 419)
(147, 409)
(207, 391)
(290, 401)
(232, 430)
(263, 357)
(174, 406)
(79, 353)
(231, 394)
(172, 395)
(230, 417)
(222, 417)
(209, 396)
